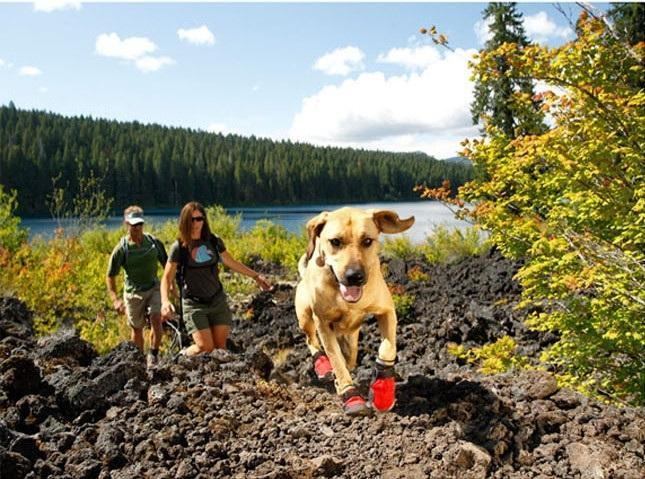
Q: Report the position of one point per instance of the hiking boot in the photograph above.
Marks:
(322, 367)
(382, 395)
(151, 360)
(354, 404)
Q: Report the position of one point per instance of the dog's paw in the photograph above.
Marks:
(354, 404)
(382, 396)
(322, 367)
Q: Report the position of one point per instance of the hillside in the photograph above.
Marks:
(255, 412)
(158, 166)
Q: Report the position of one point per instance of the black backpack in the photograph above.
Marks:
(158, 245)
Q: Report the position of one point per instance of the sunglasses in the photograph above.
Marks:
(196, 219)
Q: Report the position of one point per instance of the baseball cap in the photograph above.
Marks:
(134, 217)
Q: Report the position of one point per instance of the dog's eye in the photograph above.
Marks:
(367, 242)
(335, 242)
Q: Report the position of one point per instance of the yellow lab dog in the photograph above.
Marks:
(341, 283)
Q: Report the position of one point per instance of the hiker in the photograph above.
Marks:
(195, 257)
(138, 253)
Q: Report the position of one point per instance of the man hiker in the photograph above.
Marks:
(138, 253)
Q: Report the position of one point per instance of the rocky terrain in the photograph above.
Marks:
(257, 412)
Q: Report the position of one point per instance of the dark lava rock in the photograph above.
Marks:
(20, 376)
(258, 412)
(66, 344)
(15, 319)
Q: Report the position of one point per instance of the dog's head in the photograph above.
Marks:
(346, 240)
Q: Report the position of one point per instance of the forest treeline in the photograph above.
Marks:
(158, 166)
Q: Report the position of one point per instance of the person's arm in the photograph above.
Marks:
(238, 267)
(117, 302)
(166, 285)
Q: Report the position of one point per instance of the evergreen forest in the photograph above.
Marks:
(164, 167)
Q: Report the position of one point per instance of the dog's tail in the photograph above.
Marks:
(302, 265)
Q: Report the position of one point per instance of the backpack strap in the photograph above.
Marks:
(124, 249)
(161, 250)
(183, 262)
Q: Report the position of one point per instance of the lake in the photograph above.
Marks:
(428, 214)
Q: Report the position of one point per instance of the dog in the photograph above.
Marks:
(342, 283)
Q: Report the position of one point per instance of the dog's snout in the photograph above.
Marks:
(354, 276)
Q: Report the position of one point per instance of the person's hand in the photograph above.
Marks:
(263, 283)
(167, 311)
(118, 306)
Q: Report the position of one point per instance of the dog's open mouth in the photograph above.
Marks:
(351, 294)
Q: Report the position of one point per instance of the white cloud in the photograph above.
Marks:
(29, 71)
(111, 45)
(51, 5)
(541, 28)
(2, 63)
(482, 30)
(426, 111)
(411, 58)
(341, 61)
(256, 87)
(43, 89)
(133, 49)
(197, 36)
(152, 64)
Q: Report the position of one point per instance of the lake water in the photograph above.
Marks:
(428, 214)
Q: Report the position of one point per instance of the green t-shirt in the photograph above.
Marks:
(141, 266)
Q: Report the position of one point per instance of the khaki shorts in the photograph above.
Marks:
(200, 316)
(139, 303)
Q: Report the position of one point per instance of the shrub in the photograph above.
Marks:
(11, 234)
(497, 357)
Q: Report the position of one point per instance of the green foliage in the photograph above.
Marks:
(493, 358)
(403, 304)
(401, 246)
(443, 245)
(571, 201)
(11, 234)
(446, 245)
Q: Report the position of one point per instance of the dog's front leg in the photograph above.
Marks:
(387, 327)
(383, 387)
(332, 348)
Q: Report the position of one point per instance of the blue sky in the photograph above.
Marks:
(341, 74)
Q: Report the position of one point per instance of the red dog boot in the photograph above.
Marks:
(383, 388)
(322, 367)
(354, 404)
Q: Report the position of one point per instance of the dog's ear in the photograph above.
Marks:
(389, 222)
(314, 227)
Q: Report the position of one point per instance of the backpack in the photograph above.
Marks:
(183, 261)
(161, 251)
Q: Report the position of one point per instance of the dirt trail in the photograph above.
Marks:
(257, 412)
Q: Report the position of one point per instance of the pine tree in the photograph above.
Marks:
(494, 95)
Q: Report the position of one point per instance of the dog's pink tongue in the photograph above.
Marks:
(351, 293)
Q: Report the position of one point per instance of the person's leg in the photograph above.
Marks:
(220, 335)
(203, 342)
(137, 337)
(196, 321)
(135, 310)
(156, 330)
(220, 320)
